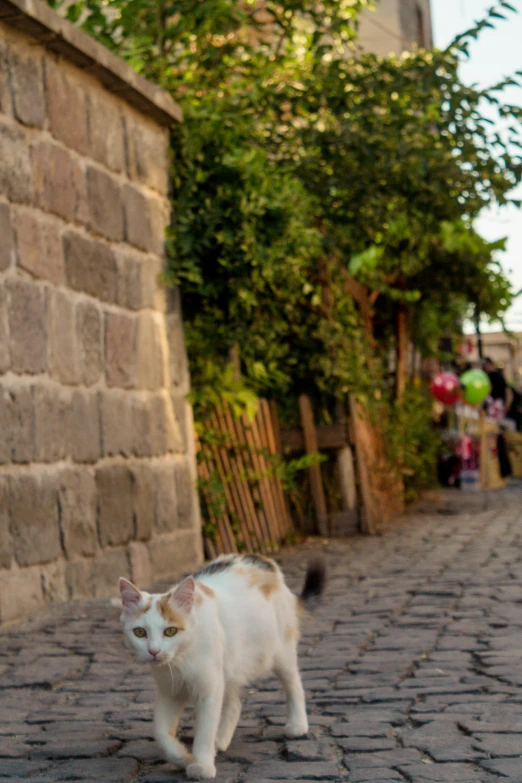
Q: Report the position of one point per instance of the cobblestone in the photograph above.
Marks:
(412, 667)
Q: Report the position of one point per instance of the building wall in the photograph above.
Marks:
(97, 470)
(396, 25)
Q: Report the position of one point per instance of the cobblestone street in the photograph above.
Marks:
(412, 666)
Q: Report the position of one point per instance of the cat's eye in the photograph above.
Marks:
(171, 631)
(140, 632)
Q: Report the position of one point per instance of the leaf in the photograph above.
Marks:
(365, 261)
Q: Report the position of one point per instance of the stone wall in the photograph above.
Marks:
(97, 475)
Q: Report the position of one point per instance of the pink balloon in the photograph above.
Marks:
(445, 387)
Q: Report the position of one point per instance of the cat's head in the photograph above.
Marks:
(157, 627)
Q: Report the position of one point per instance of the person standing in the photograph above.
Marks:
(502, 393)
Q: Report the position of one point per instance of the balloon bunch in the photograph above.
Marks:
(472, 387)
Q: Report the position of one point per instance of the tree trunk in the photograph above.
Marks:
(235, 361)
(480, 348)
(401, 335)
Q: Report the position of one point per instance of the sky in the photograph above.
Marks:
(497, 53)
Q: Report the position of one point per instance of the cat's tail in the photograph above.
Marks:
(314, 584)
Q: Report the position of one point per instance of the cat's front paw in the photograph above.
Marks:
(296, 729)
(200, 771)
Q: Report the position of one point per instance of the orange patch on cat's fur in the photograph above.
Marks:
(206, 589)
(169, 613)
(266, 582)
(144, 609)
(291, 633)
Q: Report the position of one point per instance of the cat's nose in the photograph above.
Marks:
(153, 652)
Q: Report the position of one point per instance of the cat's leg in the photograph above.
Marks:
(167, 712)
(229, 717)
(286, 669)
(208, 714)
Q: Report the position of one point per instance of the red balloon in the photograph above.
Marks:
(445, 387)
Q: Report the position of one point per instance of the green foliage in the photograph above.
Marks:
(412, 441)
(218, 387)
(317, 190)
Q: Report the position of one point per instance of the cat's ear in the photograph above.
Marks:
(183, 595)
(130, 595)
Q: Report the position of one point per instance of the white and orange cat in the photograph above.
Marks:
(215, 632)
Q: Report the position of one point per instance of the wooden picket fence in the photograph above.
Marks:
(236, 460)
(244, 505)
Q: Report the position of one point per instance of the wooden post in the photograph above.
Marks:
(235, 361)
(275, 425)
(347, 478)
(345, 464)
(401, 349)
(367, 510)
(314, 471)
(484, 452)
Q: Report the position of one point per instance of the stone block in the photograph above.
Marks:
(178, 370)
(90, 266)
(155, 429)
(108, 567)
(130, 276)
(52, 422)
(166, 520)
(79, 578)
(62, 352)
(26, 74)
(16, 424)
(175, 554)
(185, 493)
(81, 206)
(107, 131)
(5, 359)
(160, 218)
(148, 147)
(16, 178)
(85, 427)
(143, 500)
(116, 423)
(151, 351)
(165, 426)
(120, 350)
(143, 436)
(105, 204)
(184, 420)
(152, 288)
(59, 181)
(77, 502)
(140, 564)
(39, 246)
(67, 107)
(115, 514)
(6, 233)
(89, 342)
(53, 583)
(138, 226)
(27, 326)
(21, 594)
(6, 544)
(34, 518)
(6, 106)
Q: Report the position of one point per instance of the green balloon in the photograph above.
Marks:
(476, 385)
